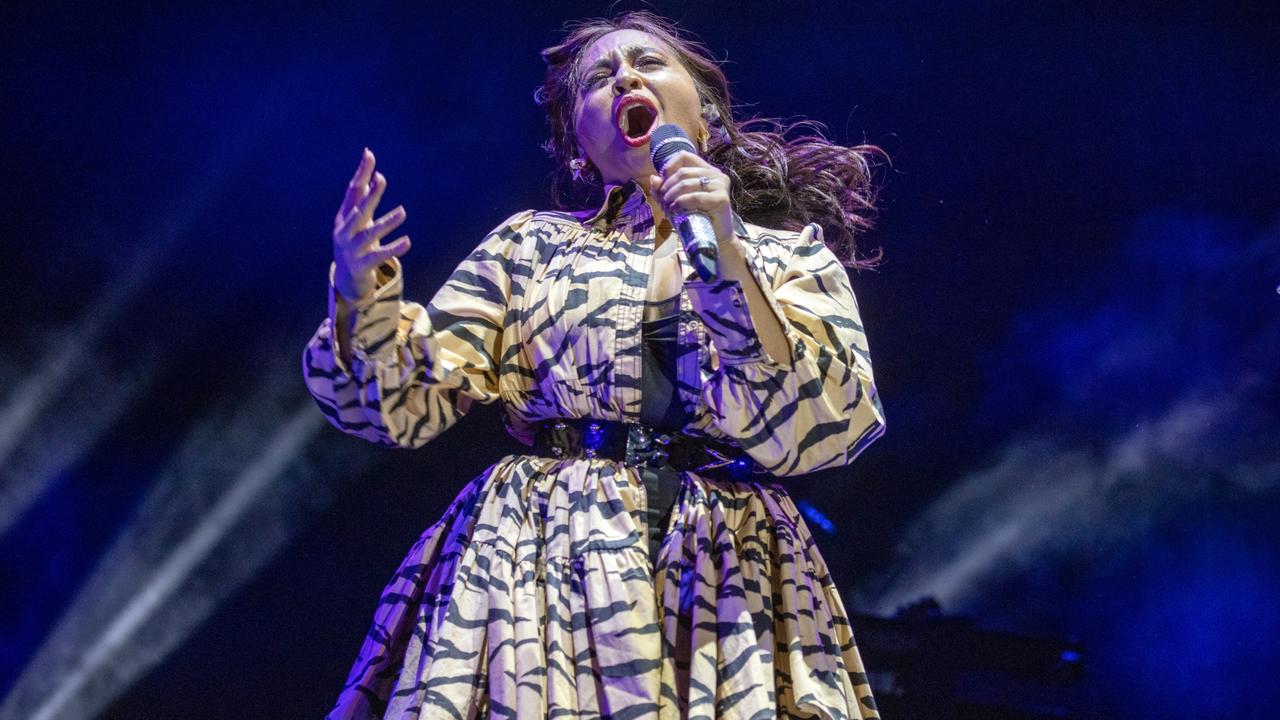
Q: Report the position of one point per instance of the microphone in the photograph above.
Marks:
(695, 228)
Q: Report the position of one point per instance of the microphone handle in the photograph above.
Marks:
(699, 238)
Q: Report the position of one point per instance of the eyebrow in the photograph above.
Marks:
(631, 52)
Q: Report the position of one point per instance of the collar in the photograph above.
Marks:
(628, 199)
(619, 200)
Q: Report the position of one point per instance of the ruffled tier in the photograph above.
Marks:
(533, 597)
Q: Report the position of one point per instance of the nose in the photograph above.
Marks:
(625, 80)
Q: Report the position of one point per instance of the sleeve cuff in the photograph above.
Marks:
(722, 305)
(723, 308)
(374, 319)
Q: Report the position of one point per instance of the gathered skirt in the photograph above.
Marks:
(536, 596)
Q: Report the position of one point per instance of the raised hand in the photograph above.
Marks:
(357, 251)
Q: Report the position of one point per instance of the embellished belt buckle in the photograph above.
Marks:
(568, 439)
(646, 447)
(563, 438)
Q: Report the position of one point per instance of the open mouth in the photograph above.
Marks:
(636, 119)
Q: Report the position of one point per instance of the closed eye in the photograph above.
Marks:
(647, 61)
(598, 77)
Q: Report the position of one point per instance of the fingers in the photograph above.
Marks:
(685, 159)
(375, 232)
(676, 188)
(385, 253)
(359, 185)
(682, 164)
(355, 234)
(675, 175)
(356, 240)
(349, 225)
(685, 190)
(706, 202)
(361, 251)
(369, 203)
(345, 219)
(357, 218)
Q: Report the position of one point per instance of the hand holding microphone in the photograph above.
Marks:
(694, 194)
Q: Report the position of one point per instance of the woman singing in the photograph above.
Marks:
(641, 560)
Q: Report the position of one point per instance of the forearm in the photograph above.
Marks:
(342, 330)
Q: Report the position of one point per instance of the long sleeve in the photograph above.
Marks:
(416, 371)
(823, 410)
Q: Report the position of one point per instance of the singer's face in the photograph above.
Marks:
(629, 83)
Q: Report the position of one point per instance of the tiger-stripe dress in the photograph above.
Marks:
(534, 596)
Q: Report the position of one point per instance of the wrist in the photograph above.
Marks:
(731, 252)
(354, 288)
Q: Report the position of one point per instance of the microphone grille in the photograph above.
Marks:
(666, 141)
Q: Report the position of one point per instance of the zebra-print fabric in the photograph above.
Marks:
(534, 595)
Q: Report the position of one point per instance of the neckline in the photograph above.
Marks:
(659, 323)
(627, 200)
(669, 308)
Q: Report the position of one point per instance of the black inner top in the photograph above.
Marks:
(660, 407)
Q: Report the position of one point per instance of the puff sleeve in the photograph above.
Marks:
(823, 410)
(416, 370)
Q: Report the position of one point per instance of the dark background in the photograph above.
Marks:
(1074, 332)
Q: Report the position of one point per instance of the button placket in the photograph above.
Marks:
(627, 333)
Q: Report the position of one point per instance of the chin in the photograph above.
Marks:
(634, 164)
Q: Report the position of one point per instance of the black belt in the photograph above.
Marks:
(643, 446)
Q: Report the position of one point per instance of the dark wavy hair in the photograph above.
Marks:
(784, 175)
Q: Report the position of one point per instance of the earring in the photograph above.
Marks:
(710, 118)
(578, 166)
